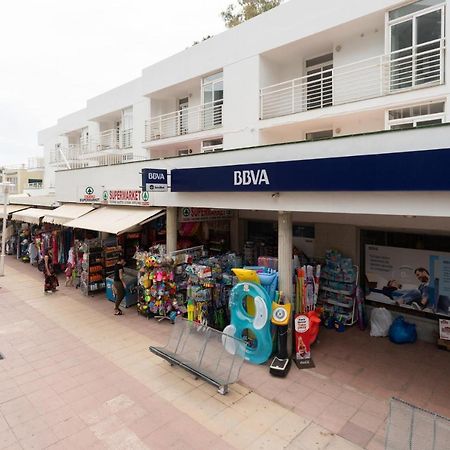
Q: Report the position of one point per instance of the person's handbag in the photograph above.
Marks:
(41, 265)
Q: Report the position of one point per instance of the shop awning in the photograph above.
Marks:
(12, 209)
(115, 219)
(30, 215)
(65, 213)
(33, 200)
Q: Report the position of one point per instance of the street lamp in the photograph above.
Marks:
(5, 188)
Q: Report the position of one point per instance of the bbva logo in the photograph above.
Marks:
(156, 176)
(247, 177)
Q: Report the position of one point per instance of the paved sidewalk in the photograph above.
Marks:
(75, 376)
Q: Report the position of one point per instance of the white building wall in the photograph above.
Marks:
(299, 19)
(241, 103)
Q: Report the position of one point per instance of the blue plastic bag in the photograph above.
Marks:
(402, 332)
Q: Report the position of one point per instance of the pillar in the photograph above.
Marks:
(285, 263)
(171, 229)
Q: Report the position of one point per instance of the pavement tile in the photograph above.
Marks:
(68, 427)
(356, 434)
(7, 438)
(39, 441)
(313, 437)
(366, 420)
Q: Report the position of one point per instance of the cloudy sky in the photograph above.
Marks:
(56, 54)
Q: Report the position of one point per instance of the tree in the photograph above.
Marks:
(246, 9)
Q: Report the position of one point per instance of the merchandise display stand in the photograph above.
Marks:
(111, 253)
(157, 289)
(339, 280)
(93, 271)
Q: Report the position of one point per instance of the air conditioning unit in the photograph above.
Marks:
(185, 152)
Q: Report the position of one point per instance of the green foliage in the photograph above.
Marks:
(245, 10)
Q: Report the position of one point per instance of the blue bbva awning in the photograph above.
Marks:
(424, 170)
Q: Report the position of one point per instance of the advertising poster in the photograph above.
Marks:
(414, 279)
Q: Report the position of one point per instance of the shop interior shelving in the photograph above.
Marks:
(340, 302)
(93, 275)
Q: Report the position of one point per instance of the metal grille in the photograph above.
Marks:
(413, 428)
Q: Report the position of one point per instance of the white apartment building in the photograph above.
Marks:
(372, 73)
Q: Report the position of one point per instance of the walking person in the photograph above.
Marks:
(50, 280)
(119, 286)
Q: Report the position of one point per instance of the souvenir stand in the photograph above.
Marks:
(186, 281)
(157, 289)
(210, 281)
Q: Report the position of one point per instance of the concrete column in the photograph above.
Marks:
(285, 263)
(285, 253)
(171, 228)
(234, 232)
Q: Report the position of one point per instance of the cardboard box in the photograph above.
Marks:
(444, 329)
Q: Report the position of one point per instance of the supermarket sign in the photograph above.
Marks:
(204, 214)
(125, 197)
(89, 194)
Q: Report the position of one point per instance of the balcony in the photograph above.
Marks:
(407, 69)
(35, 185)
(185, 121)
(89, 154)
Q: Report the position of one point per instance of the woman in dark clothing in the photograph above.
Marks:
(50, 280)
(119, 286)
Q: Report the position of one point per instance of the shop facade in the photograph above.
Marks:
(357, 193)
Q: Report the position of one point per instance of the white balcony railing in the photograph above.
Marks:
(75, 157)
(407, 69)
(108, 140)
(127, 138)
(35, 185)
(188, 120)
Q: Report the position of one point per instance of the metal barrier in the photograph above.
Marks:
(205, 352)
(413, 428)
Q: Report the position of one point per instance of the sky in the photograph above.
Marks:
(56, 54)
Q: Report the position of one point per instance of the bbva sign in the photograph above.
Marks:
(251, 177)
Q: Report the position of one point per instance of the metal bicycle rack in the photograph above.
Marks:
(205, 352)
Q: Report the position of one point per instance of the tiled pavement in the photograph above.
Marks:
(75, 376)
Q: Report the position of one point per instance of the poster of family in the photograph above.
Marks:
(417, 279)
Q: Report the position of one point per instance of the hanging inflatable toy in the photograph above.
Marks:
(255, 329)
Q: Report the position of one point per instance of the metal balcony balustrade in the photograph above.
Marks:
(77, 156)
(35, 185)
(407, 69)
(112, 139)
(189, 120)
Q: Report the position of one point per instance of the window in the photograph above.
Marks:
(183, 118)
(315, 135)
(416, 44)
(127, 128)
(185, 152)
(416, 116)
(212, 100)
(212, 145)
(413, 8)
(319, 82)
